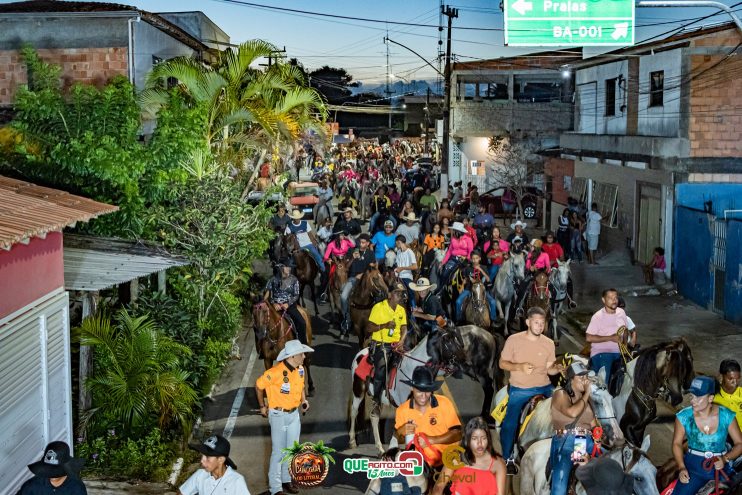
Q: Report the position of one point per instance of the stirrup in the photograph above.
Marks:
(519, 312)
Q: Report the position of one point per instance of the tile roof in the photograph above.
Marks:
(28, 210)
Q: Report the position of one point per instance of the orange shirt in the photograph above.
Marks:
(439, 417)
(283, 385)
(434, 242)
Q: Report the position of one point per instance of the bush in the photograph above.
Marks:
(114, 456)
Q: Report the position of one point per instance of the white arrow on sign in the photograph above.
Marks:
(620, 30)
(521, 6)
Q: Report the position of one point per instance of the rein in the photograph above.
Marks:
(269, 330)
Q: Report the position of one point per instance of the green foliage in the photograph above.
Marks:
(114, 456)
(138, 381)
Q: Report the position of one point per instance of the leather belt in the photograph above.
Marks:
(707, 455)
(281, 409)
(572, 431)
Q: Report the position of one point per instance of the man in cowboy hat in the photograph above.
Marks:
(217, 470)
(388, 326)
(430, 312)
(361, 258)
(518, 236)
(56, 473)
(427, 420)
(304, 235)
(282, 291)
(410, 229)
(348, 223)
(283, 385)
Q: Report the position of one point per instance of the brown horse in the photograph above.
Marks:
(367, 291)
(273, 330)
(306, 267)
(476, 308)
(540, 296)
(337, 281)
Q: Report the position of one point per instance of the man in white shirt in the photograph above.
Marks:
(304, 236)
(410, 229)
(592, 232)
(406, 262)
(218, 475)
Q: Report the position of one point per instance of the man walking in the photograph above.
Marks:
(56, 473)
(602, 334)
(592, 232)
(283, 385)
(529, 357)
(217, 473)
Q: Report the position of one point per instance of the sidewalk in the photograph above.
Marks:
(658, 317)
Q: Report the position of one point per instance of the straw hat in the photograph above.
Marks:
(297, 215)
(410, 217)
(422, 284)
(458, 226)
(351, 210)
(518, 223)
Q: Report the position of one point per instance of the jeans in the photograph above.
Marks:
(300, 325)
(345, 296)
(698, 476)
(383, 357)
(312, 249)
(562, 447)
(460, 305)
(410, 292)
(285, 430)
(517, 399)
(576, 245)
(492, 272)
(447, 272)
(604, 360)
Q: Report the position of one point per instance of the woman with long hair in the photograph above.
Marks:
(482, 470)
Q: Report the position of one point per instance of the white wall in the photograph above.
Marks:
(663, 120)
(592, 101)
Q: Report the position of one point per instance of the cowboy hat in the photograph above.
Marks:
(606, 477)
(351, 210)
(215, 446)
(337, 232)
(459, 227)
(292, 348)
(422, 284)
(297, 215)
(57, 462)
(518, 223)
(423, 380)
(537, 243)
(411, 217)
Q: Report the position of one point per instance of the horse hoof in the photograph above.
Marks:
(310, 392)
(352, 444)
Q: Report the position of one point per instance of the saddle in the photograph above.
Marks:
(527, 412)
(365, 371)
(306, 250)
(618, 374)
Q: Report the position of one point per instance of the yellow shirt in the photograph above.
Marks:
(282, 385)
(382, 314)
(733, 402)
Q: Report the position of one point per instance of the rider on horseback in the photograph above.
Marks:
(380, 204)
(337, 248)
(282, 291)
(348, 223)
(388, 324)
(535, 260)
(304, 236)
(430, 312)
(475, 273)
(361, 258)
(460, 248)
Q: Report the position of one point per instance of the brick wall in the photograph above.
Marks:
(715, 127)
(557, 169)
(85, 65)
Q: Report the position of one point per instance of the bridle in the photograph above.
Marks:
(262, 308)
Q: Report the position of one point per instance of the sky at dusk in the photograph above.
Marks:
(358, 46)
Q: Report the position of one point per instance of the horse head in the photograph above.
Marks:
(635, 462)
(603, 406)
(372, 283)
(478, 296)
(261, 319)
(518, 266)
(563, 272)
(451, 345)
(541, 286)
(675, 366)
(290, 244)
(390, 258)
(439, 255)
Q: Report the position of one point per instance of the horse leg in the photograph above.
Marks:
(310, 382)
(302, 286)
(375, 414)
(489, 391)
(355, 406)
(314, 298)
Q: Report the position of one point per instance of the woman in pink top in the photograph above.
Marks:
(461, 246)
(537, 259)
(339, 247)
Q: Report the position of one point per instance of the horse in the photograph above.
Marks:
(511, 273)
(337, 281)
(540, 297)
(413, 481)
(306, 267)
(559, 279)
(435, 266)
(322, 211)
(273, 330)
(370, 289)
(476, 307)
(660, 371)
(450, 292)
(533, 475)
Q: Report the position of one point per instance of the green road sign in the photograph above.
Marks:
(569, 23)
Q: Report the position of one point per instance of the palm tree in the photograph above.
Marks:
(138, 379)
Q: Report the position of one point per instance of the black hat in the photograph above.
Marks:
(57, 462)
(604, 476)
(337, 231)
(423, 380)
(214, 446)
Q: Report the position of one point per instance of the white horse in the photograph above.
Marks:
(435, 266)
(559, 279)
(511, 273)
(533, 477)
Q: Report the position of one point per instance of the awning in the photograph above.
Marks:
(97, 263)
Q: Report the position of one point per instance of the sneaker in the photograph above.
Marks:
(323, 298)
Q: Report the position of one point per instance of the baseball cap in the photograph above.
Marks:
(577, 369)
(702, 385)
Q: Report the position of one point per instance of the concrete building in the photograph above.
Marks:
(654, 123)
(419, 110)
(525, 97)
(93, 42)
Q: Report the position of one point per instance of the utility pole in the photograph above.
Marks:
(427, 119)
(445, 166)
(271, 58)
(388, 79)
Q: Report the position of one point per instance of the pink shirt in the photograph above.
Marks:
(604, 324)
(542, 262)
(462, 246)
(340, 252)
(658, 263)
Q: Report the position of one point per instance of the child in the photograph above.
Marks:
(325, 232)
(630, 326)
(658, 265)
(496, 257)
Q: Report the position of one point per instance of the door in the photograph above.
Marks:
(650, 223)
(718, 264)
(587, 105)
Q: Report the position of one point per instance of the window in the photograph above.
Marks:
(606, 195)
(656, 88)
(610, 97)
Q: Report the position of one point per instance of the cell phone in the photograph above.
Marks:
(580, 448)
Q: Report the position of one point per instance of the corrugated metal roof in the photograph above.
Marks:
(28, 210)
(97, 263)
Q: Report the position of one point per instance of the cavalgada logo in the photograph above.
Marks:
(408, 463)
(452, 459)
(309, 462)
